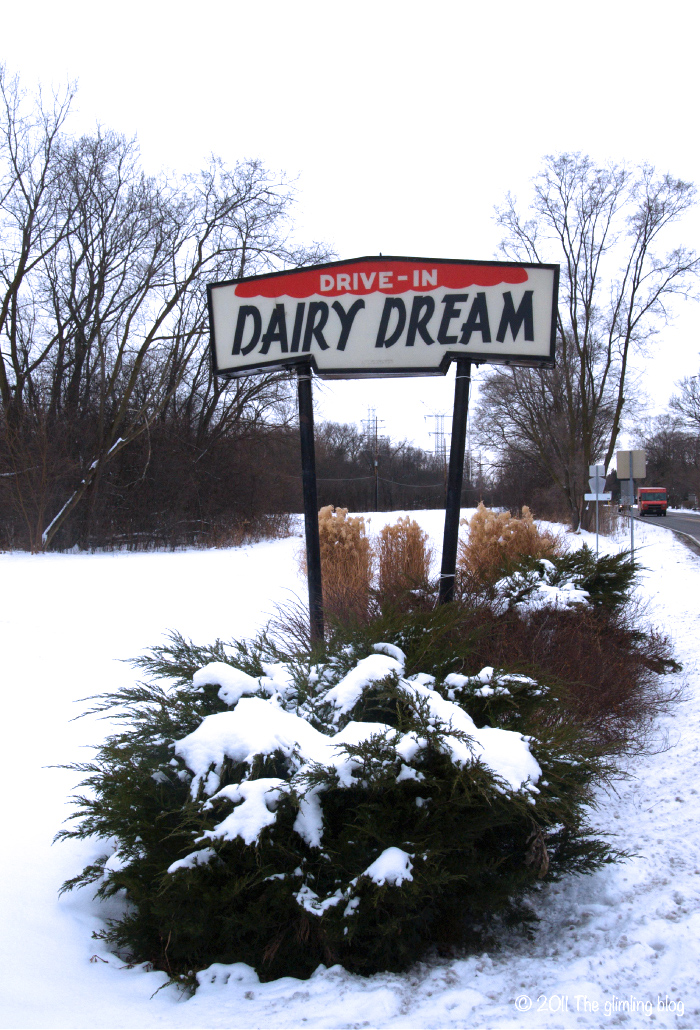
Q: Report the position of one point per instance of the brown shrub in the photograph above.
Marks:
(610, 522)
(346, 563)
(403, 557)
(249, 531)
(498, 540)
(601, 668)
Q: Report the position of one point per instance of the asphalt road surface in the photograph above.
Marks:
(684, 523)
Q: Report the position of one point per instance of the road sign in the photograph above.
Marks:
(597, 484)
(631, 464)
(598, 493)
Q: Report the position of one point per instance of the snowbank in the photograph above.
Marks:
(624, 940)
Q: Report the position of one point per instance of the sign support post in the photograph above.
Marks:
(631, 465)
(454, 481)
(308, 475)
(380, 316)
(631, 506)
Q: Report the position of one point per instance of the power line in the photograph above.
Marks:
(363, 479)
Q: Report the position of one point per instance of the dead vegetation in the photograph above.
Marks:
(403, 557)
(498, 540)
(601, 659)
(347, 563)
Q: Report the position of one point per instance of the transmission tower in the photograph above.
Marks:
(371, 433)
(440, 442)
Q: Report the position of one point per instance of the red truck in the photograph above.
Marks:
(652, 500)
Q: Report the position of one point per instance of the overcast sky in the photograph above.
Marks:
(404, 122)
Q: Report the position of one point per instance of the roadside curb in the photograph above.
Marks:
(690, 542)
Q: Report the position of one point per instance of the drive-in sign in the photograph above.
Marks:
(385, 316)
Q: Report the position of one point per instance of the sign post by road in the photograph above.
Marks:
(377, 316)
(631, 465)
(597, 486)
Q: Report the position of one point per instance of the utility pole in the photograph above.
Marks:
(372, 434)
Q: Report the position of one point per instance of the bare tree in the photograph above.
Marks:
(605, 227)
(533, 419)
(104, 310)
(685, 405)
(672, 448)
(32, 224)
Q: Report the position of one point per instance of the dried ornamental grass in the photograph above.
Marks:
(497, 540)
(346, 563)
(403, 557)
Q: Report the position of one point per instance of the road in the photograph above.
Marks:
(683, 522)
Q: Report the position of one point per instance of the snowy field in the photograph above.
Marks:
(619, 948)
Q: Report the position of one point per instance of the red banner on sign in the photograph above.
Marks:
(389, 277)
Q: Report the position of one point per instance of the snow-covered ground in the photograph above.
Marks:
(619, 948)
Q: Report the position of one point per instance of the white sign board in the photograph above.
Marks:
(631, 464)
(597, 480)
(378, 316)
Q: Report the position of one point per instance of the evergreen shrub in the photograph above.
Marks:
(576, 577)
(401, 789)
(366, 804)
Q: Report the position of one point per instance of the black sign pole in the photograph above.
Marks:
(454, 481)
(308, 475)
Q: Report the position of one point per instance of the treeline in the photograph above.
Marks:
(672, 445)
(111, 424)
(162, 490)
(232, 484)
(510, 481)
(407, 477)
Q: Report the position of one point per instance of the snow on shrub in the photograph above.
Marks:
(538, 587)
(576, 578)
(285, 813)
